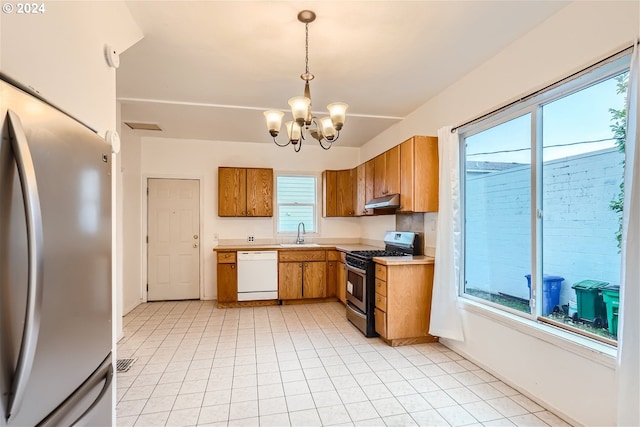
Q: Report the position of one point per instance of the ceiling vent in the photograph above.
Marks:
(143, 126)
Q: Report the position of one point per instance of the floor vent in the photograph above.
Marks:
(123, 365)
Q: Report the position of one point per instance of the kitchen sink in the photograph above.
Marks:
(298, 245)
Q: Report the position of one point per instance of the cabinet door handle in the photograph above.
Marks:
(233, 266)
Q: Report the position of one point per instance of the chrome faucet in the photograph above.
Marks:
(300, 240)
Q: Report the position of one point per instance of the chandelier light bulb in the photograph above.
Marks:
(274, 121)
(328, 131)
(338, 113)
(293, 131)
(299, 108)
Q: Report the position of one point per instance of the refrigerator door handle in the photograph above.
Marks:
(26, 172)
(59, 416)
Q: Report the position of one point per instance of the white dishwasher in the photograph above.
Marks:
(257, 275)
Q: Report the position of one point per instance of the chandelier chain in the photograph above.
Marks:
(306, 48)
(325, 130)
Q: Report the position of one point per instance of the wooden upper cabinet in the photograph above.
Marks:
(338, 193)
(346, 192)
(419, 174)
(392, 172)
(329, 193)
(232, 191)
(378, 176)
(364, 187)
(259, 192)
(369, 174)
(361, 198)
(245, 192)
(387, 172)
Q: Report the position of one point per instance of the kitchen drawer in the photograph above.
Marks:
(301, 255)
(381, 322)
(333, 255)
(381, 272)
(381, 287)
(226, 257)
(381, 302)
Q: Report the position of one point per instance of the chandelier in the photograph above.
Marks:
(325, 130)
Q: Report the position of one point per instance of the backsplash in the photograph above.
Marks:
(410, 222)
(414, 222)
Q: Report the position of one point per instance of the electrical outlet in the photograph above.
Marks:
(250, 239)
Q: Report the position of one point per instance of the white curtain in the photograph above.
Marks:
(445, 318)
(628, 371)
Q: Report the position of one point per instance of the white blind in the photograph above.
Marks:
(296, 202)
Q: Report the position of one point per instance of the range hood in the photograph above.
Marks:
(384, 202)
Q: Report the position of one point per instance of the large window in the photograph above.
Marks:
(542, 204)
(498, 213)
(297, 200)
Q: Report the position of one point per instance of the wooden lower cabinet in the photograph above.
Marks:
(227, 277)
(403, 303)
(314, 280)
(227, 283)
(381, 322)
(341, 282)
(332, 278)
(302, 274)
(290, 280)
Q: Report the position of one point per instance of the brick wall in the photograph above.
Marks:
(578, 226)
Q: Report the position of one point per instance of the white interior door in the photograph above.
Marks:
(174, 239)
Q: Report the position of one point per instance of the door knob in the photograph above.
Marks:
(195, 245)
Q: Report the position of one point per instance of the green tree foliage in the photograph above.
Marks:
(619, 129)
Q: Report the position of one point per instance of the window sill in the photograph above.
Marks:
(593, 350)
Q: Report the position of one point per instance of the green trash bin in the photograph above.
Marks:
(591, 306)
(611, 297)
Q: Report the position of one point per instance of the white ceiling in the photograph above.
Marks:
(207, 69)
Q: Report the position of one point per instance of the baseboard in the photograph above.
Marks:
(127, 310)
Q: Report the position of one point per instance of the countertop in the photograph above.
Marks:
(343, 247)
(404, 260)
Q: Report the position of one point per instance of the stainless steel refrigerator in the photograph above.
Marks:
(55, 266)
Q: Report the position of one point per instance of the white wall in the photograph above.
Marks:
(581, 387)
(60, 54)
(176, 158)
(132, 219)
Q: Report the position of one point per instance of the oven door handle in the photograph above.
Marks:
(357, 270)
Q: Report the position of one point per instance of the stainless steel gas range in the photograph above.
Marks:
(361, 280)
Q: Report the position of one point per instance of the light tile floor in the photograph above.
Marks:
(299, 365)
